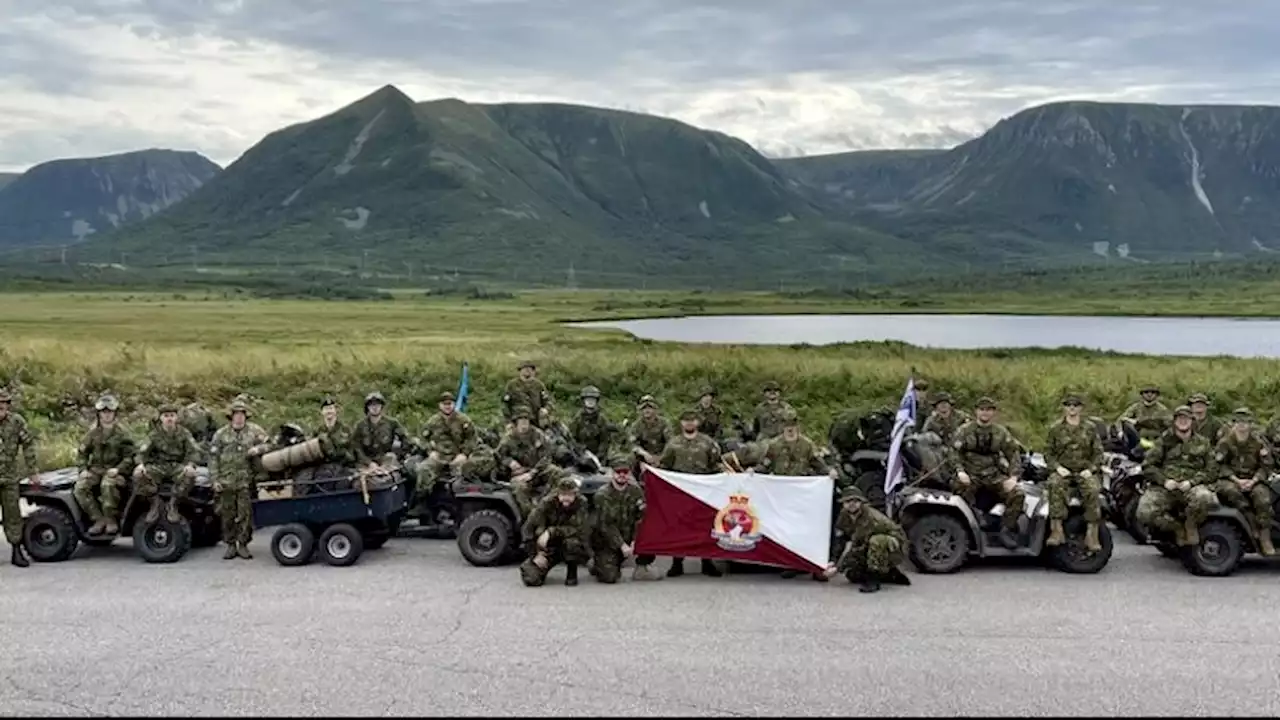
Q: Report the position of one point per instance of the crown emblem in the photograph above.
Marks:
(739, 499)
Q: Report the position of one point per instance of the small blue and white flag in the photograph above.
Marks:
(905, 421)
(464, 386)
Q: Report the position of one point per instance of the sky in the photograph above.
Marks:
(83, 78)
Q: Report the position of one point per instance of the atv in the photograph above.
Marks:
(58, 526)
(1123, 483)
(1225, 538)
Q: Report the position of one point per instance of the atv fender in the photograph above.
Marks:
(916, 503)
(1225, 513)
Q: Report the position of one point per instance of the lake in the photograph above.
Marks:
(1204, 337)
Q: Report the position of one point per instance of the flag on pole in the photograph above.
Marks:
(905, 420)
(763, 519)
(464, 386)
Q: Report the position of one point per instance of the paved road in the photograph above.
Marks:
(413, 630)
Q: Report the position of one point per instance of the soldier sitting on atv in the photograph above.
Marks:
(106, 458)
(525, 456)
(169, 454)
(449, 438)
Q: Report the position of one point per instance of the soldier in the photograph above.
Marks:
(376, 437)
(1181, 470)
(450, 438)
(874, 545)
(618, 508)
(527, 391)
(746, 456)
(767, 423)
(794, 455)
(1149, 416)
(589, 429)
(945, 420)
(334, 436)
(694, 453)
(526, 453)
(14, 435)
(196, 418)
(1073, 451)
(648, 435)
(233, 473)
(106, 458)
(1202, 423)
(169, 454)
(558, 530)
(710, 416)
(923, 405)
(987, 458)
(1244, 465)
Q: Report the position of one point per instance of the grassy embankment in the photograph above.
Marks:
(292, 352)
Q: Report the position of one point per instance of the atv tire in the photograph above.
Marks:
(1219, 552)
(1136, 529)
(293, 545)
(486, 538)
(340, 545)
(1072, 557)
(938, 544)
(50, 535)
(162, 541)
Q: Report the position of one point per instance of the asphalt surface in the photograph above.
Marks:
(414, 630)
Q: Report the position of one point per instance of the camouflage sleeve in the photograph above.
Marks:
(1130, 413)
(215, 451)
(610, 532)
(505, 452)
(1222, 454)
(535, 523)
(508, 407)
(470, 437)
(1266, 463)
(580, 525)
(817, 464)
(713, 455)
(398, 435)
(358, 437)
(82, 452)
(144, 451)
(27, 439)
(1095, 452)
(544, 454)
(1052, 450)
(192, 455)
(1011, 452)
(544, 396)
(668, 458)
(128, 452)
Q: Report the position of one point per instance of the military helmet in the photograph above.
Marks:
(167, 406)
(790, 418)
(374, 397)
(941, 398)
(852, 493)
(1150, 388)
(647, 401)
(520, 411)
(690, 414)
(1242, 414)
(1072, 399)
(590, 391)
(328, 401)
(1182, 410)
(5, 396)
(706, 390)
(921, 384)
(986, 402)
(107, 402)
(527, 364)
(1198, 398)
(771, 385)
(239, 405)
(566, 484)
(446, 396)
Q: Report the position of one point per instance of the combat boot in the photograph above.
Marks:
(897, 577)
(230, 554)
(788, 574)
(1091, 538)
(571, 574)
(153, 514)
(99, 525)
(870, 585)
(1056, 534)
(1191, 533)
(1264, 542)
(19, 556)
(677, 568)
(644, 572)
(172, 514)
(1008, 537)
(710, 570)
(111, 528)
(242, 549)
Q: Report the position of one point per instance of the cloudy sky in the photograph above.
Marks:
(92, 77)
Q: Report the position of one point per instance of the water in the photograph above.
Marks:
(1138, 335)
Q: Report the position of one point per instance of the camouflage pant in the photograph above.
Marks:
(429, 472)
(93, 483)
(1059, 490)
(235, 510)
(1257, 500)
(147, 484)
(1013, 500)
(558, 551)
(527, 492)
(10, 510)
(881, 554)
(609, 564)
(1161, 510)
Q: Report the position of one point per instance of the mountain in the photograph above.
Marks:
(1147, 182)
(518, 190)
(6, 178)
(66, 201)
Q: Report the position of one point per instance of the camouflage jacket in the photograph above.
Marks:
(1247, 459)
(649, 435)
(1074, 447)
(1173, 458)
(198, 421)
(335, 442)
(793, 458)
(372, 440)
(617, 514)
(1148, 420)
(1210, 427)
(750, 454)
(105, 448)
(593, 432)
(858, 529)
(945, 427)
(767, 423)
(229, 461)
(532, 450)
(560, 522)
(1273, 431)
(450, 435)
(532, 394)
(698, 455)
(985, 452)
(15, 434)
(710, 420)
(169, 448)
(843, 435)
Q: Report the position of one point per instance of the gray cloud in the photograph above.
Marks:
(790, 77)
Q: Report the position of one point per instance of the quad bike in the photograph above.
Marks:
(1226, 537)
(1123, 484)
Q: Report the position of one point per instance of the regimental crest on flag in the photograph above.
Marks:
(737, 526)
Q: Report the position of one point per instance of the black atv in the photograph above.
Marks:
(58, 526)
(1123, 484)
(1225, 538)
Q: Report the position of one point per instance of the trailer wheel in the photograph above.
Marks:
(341, 545)
(293, 545)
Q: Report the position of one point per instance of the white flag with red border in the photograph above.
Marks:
(747, 517)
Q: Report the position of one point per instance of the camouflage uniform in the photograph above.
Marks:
(1149, 419)
(1074, 456)
(1209, 426)
(793, 458)
(14, 434)
(166, 456)
(198, 421)
(616, 518)
(649, 435)
(569, 535)
(711, 416)
(533, 453)
(590, 430)
(768, 421)
(876, 544)
(375, 441)
(924, 403)
(988, 454)
(1273, 432)
(531, 394)
(446, 436)
(105, 460)
(843, 435)
(234, 474)
(1178, 459)
(747, 455)
(1248, 460)
(944, 427)
(698, 455)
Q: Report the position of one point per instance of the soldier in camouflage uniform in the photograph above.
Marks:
(169, 454)
(1149, 416)
(746, 456)
(589, 429)
(1245, 463)
(945, 420)
(334, 435)
(1073, 452)
(694, 453)
(233, 472)
(14, 436)
(197, 419)
(449, 438)
(618, 508)
(767, 422)
(525, 453)
(987, 458)
(1181, 470)
(873, 544)
(558, 530)
(1202, 423)
(924, 405)
(792, 454)
(527, 391)
(376, 437)
(710, 415)
(648, 435)
(106, 458)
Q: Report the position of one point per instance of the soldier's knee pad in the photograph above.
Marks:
(531, 575)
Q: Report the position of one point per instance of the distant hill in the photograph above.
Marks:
(7, 177)
(66, 201)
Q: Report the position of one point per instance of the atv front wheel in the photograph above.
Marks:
(162, 541)
(1073, 557)
(50, 535)
(486, 537)
(938, 544)
(1219, 552)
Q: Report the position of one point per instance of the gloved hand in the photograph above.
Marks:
(963, 477)
(544, 538)
(830, 571)
(1170, 485)
(1184, 486)
(1062, 472)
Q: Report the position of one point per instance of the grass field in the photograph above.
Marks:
(60, 350)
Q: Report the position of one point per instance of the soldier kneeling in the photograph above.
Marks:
(876, 545)
(557, 531)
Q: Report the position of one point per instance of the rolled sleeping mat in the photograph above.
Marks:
(293, 456)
